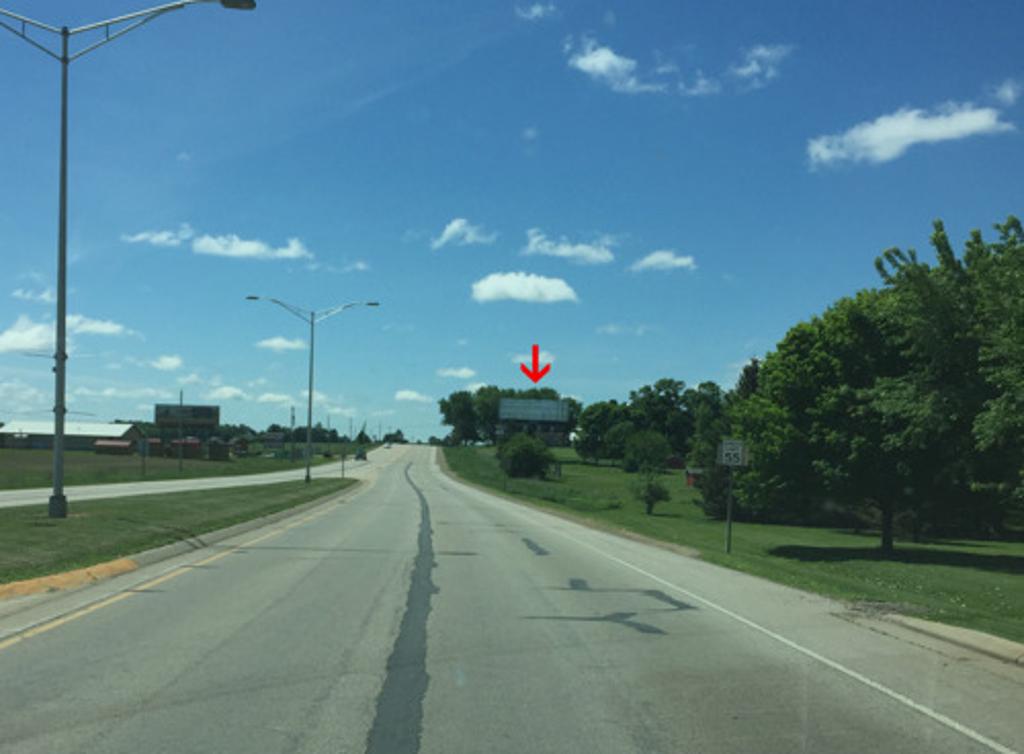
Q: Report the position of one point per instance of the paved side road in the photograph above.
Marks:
(78, 493)
(425, 616)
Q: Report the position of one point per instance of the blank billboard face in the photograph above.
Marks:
(520, 409)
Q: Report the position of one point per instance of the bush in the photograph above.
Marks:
(523, 455)
(650, 492)
(646, 451)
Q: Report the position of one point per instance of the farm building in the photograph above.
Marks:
(38, 435)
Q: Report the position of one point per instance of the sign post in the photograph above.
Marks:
(731, 452)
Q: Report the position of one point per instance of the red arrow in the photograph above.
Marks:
(536, 374)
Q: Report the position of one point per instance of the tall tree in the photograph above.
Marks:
(459, 413)
(661, 408)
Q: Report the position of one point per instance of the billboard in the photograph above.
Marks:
(532, 410)
(193, 417)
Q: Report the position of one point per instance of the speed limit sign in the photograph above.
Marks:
(732, 453)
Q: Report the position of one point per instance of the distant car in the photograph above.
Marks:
(360, 454)
(388, 445)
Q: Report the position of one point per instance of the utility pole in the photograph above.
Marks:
(291, 435)
(181, 439)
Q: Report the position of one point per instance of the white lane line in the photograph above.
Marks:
(895, 695)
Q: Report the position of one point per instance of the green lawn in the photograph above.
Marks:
(22, 469)
(32, 544)
(975, 584)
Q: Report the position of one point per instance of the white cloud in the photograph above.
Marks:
(15, 395)
(183, 157)
(274, 398)
(535, 12)
(318, 397)
(26, 335)
(280, 343)
(1008, 92)
(357, 266)
(609, 18)
(760, 64)
(584, 253)
(522, 286)
(543, 357)
(474, 386)
(239, 248)
(167, 363)
(531, 133)
(462, 342)
(890, 136)
(80, 325)
(702, 86)
(664, 260)
(123, 393)
(460, 231)
(46, 296)
(190, 379)
(165, 238)
(462, 373)
(604, 65)
(412, 395)
(225, 393)
(616, 329)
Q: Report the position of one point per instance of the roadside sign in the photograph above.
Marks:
(731, 452)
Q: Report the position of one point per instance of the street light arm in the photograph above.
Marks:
(30, 22)
(28, 39)
(150, 12)
(342, 307)
(120, 32)
(300, 313)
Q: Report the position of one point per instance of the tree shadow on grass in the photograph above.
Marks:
(1000, 563)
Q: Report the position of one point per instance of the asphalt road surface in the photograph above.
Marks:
(422, 615)
(83, 492)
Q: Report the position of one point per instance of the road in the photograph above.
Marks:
(80, 493)
(421, 615)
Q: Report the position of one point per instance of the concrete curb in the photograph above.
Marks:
(56, 583)
(965, 638)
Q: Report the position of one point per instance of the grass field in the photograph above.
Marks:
(32, 544)
(22, 469)
(975, 584)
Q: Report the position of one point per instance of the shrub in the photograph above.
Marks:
(523, 455)
(650, 492)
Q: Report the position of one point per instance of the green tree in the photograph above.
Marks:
(707, 406)
(594, 423)
(661, 408)
(615, 440)
(459, 413)
(646, 451)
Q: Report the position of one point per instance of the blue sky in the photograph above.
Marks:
(643, 189)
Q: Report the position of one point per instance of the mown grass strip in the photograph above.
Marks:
(32, 544)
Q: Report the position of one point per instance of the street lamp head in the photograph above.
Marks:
(373, 303)
(239, 4)
(252, 298)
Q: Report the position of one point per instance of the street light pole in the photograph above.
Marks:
(312, 317)
(58, 503)
(309, 401)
